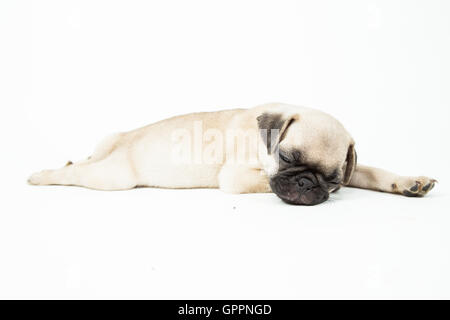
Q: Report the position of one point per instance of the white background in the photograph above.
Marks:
(75, 71)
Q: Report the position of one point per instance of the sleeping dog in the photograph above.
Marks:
(300, 154)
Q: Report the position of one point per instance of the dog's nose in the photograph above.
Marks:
(311, 193)
(305, 184)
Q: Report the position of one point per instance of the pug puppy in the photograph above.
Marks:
(300, 154)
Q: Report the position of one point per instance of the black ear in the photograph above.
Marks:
(272, 128)
(351, 164)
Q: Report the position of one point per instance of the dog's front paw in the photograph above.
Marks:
(414, 186)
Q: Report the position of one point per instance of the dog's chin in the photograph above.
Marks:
(299, 187)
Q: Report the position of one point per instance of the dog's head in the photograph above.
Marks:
(311, 155)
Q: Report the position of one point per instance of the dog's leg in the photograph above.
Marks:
(103, 149)
(115, 172)
(109, 168)
(243, 179)
(380, 180)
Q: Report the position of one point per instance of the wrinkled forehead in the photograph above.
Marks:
(321, 145)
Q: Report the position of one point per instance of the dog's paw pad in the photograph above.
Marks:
(415, 187)
(428, 187)
(409, 193)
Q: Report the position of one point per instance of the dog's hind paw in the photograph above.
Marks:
(39, 178)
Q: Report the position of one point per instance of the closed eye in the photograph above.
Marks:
(284, 157)
(334, 183)
(333, 178)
